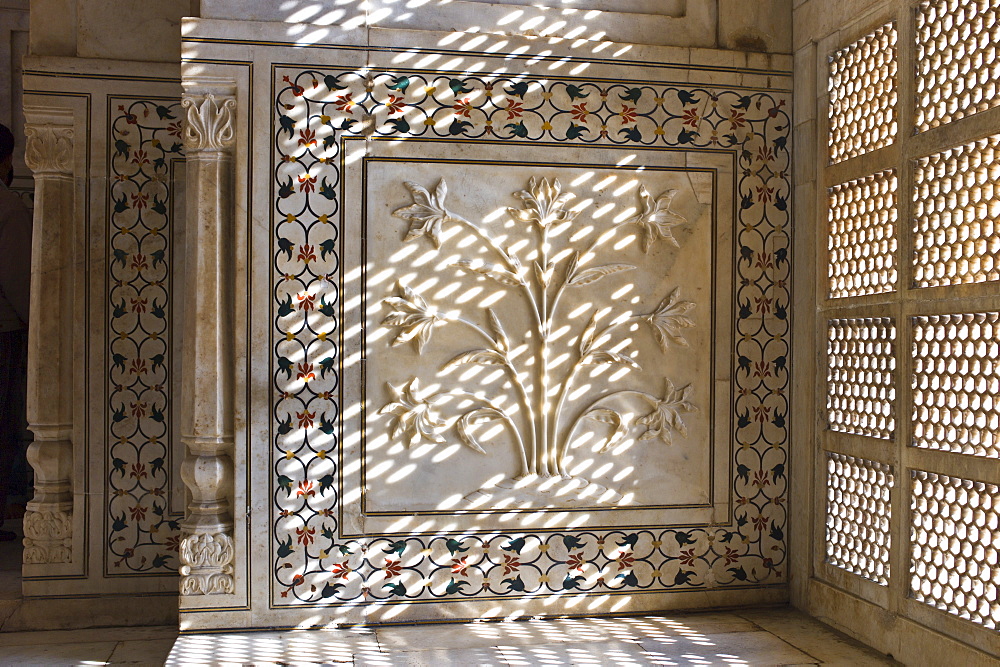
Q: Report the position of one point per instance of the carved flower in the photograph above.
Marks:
(666, 415)
(669, 318)
(413, 316)
(544, 204)
(427, 213)
(415, 416)
(656, 219)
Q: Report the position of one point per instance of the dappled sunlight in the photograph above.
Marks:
(498, 295)
(512, 639)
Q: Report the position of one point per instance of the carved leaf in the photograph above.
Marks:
(544, 275)
(608, 416)
(587, 337)
(588, 276)
(478, 416)
(601, 357)
(483, 357)
(503, 343)
(497, 273)
(574, 261)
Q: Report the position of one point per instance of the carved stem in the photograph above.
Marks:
(522, 392)
(585, 257)
(511, 263)
(564, 444)
(653, 400)
(548, 455)
(207, 551)
(48, 521)
(503, 413)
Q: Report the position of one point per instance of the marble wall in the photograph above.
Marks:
(104, 139)
(509, 331)
(382, 324)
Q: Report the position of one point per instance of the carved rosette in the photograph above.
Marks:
(48, 149)
(208, 123)
(48, 537)
(207, 564)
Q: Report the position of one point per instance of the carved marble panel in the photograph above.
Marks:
(529, 338)
(500, 283)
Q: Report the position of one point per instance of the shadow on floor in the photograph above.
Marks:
(773, 636)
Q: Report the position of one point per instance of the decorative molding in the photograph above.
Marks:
(208, 122)
(49, 149)
(207, 567)
(48, 537)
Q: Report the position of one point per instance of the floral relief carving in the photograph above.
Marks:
(207, 564)
(48, 537)
(208, 122)
(539, 428)
(316, 557)
(48, 149)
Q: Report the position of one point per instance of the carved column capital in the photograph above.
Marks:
(208, 122)
(48, 149)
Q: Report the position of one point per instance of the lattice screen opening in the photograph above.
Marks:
(858, 515)
(956, 383)
(862, 239)
(956, 215)
(860, 376)
(955, 541)
(957, 65)
(862, 88)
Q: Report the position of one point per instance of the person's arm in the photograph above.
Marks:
(15, 260)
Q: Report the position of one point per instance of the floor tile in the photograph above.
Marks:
(91, 635)
(617, 654)
(818, 640)
(457, 657)
(93, 653)
(299, 646)
(732, 648)
(142, 652)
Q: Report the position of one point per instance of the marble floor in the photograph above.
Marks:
(771, 636)
(779, 636)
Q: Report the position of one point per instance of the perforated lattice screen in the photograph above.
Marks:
(956, 383)
(957, 65)
(862, 236)
(954, 541)
(860, 384)
(862, 90)
(857, 516)
(956, 209)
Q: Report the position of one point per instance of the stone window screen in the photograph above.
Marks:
(956, 383)
(863, 90)
(956, 57)
(857, 516)
(860, 376)
(862, 236)
(955, 540)
(956, 215)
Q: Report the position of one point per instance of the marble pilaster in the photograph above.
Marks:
(49, 154)
(207, 550)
